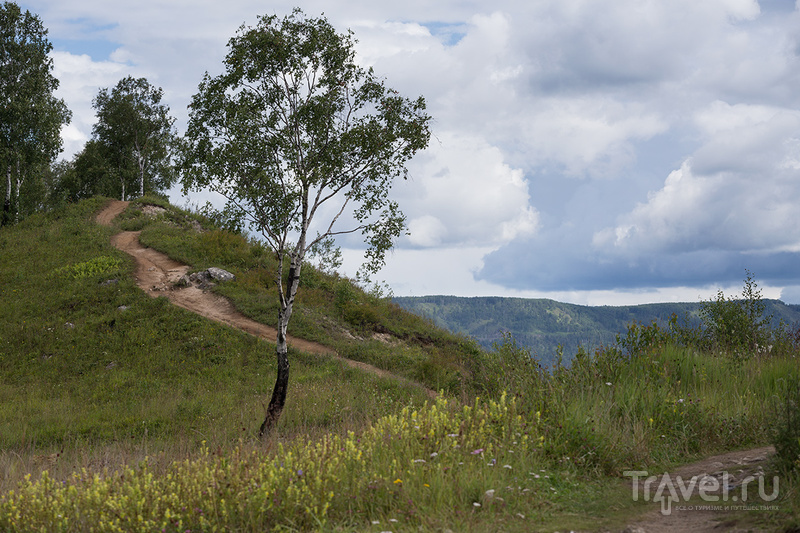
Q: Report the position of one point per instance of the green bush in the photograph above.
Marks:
(736, 326)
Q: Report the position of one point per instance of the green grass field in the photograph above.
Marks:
(121, 412)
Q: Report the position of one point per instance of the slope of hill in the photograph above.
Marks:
(542, 325)
(95, 358)
(131, 414)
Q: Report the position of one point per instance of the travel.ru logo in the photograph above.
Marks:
(669, 490)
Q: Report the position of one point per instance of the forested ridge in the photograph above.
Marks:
(542, 324)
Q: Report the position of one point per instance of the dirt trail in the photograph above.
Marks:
(685, 517)
(156, 274)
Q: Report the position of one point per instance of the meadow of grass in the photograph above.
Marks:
(87, 360)
(142, 418)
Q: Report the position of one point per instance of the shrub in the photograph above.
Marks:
(736, 325)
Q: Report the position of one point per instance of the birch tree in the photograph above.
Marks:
(30, 115)
(137, 134)
(305, 145)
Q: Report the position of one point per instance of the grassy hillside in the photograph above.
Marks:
(87, 357)
(542, 325)
(129, 414)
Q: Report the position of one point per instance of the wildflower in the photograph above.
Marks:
(452, 435)
(398, 481)
(392, 520)
(434, 454)
(476, 504)
(608, 383)
(507, 466)
(419, 460)
(375, 522)
(478, 451)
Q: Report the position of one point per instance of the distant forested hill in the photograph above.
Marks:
(542, 324)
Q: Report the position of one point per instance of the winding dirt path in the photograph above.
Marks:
(701, 515)
(156, 274)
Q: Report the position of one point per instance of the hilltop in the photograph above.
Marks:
(77, 332)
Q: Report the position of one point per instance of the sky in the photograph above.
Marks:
(593, 152)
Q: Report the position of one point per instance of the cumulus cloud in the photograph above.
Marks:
(791, 295)
(464, 193)
(729, 207)
(737, 193)
(80, 78)
(580, 146)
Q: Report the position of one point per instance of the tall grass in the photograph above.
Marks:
(494, 464)
(125, 413)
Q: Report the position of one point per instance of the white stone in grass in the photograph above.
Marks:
(220, 275)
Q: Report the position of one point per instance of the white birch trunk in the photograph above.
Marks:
(278, 400)
(6, 217)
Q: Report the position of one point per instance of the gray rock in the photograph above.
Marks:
(205, 279)
(220, 275)
(200, 277)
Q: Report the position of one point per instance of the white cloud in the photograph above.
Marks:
(80, 79)
(589, 136)
(679, 117)
(426, 231)
(463, 192)
(738, 192)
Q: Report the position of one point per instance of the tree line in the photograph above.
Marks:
(131, 150)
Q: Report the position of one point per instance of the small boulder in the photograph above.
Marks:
(205, 279)
(220, 275)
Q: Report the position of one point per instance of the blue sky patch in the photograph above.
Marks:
(450, 33)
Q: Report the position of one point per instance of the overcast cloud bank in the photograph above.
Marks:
(589, 151)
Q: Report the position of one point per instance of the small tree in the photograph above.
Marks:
(736, 324)
(93, 173)
(293, 131)
(137, 134)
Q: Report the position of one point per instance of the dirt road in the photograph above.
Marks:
(156, 274)
(697, 516)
